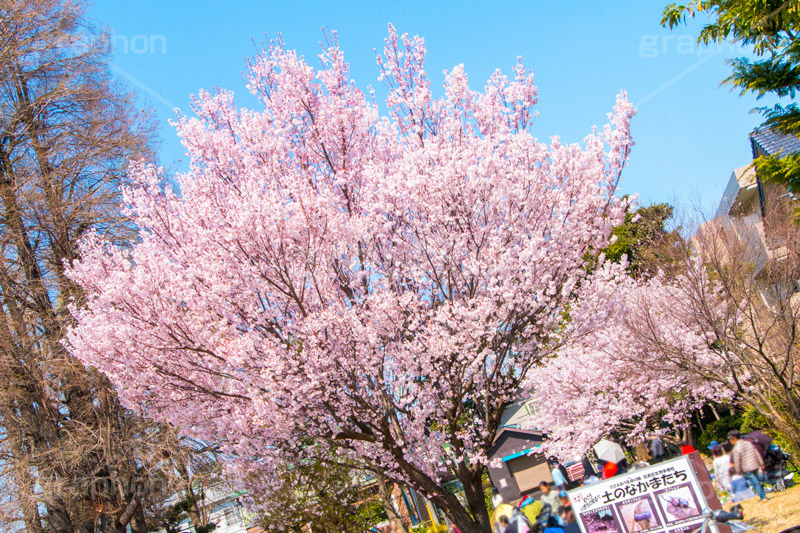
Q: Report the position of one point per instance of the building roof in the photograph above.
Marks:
(771, 142)
(510, 443)
(742, 187)
(745, 176)
(522, 433)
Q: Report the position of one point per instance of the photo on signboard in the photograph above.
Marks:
(638, 515)
(678, 504)
(600, 520)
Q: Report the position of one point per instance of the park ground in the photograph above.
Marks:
(781, 511)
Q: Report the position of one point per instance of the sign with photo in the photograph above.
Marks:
(668, 497)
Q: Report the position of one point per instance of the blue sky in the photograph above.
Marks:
(689, 132)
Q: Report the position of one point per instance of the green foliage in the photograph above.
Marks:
(173, 517)
(718, 430)
(747, 421)
(771, 28)
(752, 420)
(325, 495)
(766, 25)
(781, 169)
(371, 512)
(643, 239)
(487, 493)
(428, 527)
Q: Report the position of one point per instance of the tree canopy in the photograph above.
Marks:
(375, 285)
(643, 240)
(771, 28)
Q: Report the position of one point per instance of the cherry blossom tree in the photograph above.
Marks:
(610, 379)
(330, 278)
(720, 324)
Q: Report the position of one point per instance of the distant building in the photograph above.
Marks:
(412, 508)
(519, 414)
(516, 467)
(747, 199)
(753, 220)
(223, 507)
(765, 142)
(226, 510)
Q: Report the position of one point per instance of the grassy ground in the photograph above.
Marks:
(781, 511)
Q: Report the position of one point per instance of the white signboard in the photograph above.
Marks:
(665, 498)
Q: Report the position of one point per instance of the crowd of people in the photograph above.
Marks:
(555, 513)
(735, 459)
(739, 458)
(738, 463)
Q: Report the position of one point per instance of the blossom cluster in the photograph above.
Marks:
(633, 358)
(325, 277)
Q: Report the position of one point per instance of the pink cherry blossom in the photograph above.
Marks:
(329, 278)
(624, 366)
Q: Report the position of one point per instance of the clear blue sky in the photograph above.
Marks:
(689, 132)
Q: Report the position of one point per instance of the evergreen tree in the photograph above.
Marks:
(770, 27)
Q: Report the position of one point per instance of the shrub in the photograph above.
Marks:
(718, 430)
(754, 421)
(428, 527)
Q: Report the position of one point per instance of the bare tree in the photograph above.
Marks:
(72, 457)
(744, 295)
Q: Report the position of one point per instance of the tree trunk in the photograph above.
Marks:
(476, 520)
(385, 488)
(27, 500)
(139, 522)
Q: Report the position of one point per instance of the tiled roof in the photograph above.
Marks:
(772, 142)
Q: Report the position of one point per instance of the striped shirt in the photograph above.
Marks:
(745, 457)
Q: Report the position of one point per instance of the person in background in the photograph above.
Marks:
(656, 448)
(503, 523)
(552, 526)
(519, 522)
(567, 519)
(550, 497)
(496, 498)
(727, 447)
(722, 467)
(563, 500)
(566, 508)
(610, 470)
(686, 448)
(747, 462)
(453, 529)
(558, 476)
(588, 469)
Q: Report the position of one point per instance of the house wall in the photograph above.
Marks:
(529, 471)
(502, 474)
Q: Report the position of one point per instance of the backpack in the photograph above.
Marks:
(760, 441)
